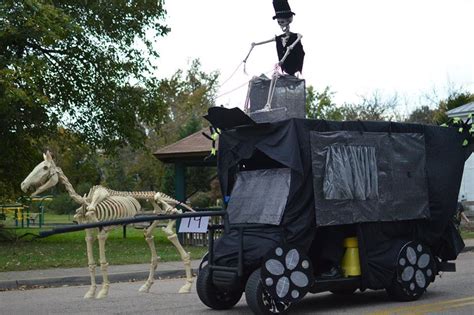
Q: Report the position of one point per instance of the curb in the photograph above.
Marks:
(85, 280)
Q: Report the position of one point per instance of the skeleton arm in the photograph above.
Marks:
(263, 42)
(289, 48)
(257, 44)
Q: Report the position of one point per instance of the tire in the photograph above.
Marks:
(211, 296)
(204, 261)
(415, 270)
(398, 293)
(259, 301)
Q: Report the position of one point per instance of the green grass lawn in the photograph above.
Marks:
(69, 250)
(467, 234)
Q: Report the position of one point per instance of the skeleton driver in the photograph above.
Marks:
(289, 48)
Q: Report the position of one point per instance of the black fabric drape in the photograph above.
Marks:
(294, 61)
(287, 143)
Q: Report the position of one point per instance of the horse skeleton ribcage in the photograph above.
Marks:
(117, 207)
(162, 203)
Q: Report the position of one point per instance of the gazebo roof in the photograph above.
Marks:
(461, 111)
(193, 148)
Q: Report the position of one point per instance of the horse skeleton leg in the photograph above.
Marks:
(102, 237)
(90, 260)
(148, 233)
(185, 256)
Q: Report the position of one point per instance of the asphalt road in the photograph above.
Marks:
(453, 293)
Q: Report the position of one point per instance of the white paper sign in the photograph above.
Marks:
(194, 225)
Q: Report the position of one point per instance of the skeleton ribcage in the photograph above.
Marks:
(117, 207)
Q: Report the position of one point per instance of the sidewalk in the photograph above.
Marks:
(80, 276)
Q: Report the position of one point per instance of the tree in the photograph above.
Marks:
(186, 95)
(319, 105)
(71, 63)
(455, 99)
(422, 115)
(374, 107)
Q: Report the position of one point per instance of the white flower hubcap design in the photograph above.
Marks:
(287, 274)
(415, 267)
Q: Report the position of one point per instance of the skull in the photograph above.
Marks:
(285, 23)
(43, 176)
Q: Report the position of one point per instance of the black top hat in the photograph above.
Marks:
(282, 9)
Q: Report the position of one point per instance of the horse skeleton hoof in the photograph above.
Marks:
(90, 294)
(102, 294)
(144, 288)
(185, 288)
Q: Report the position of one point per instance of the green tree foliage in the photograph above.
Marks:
(62, 204)
(70, 63)
(201, 200)
(422, 115)
(77, 159)
(187, 95)
(455, 99)
(374, 107)
(319, 105)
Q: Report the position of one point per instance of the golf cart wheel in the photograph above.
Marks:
(211, 296)
(259, 301)
(415, 271)
(398, 293)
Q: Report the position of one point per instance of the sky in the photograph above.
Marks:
(411, 48)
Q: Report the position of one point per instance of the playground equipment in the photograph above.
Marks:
(21, 211)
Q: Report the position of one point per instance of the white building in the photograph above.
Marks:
(467, 185)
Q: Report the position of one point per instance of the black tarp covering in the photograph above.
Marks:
(287, 144)
(368, 177)
(265, 190)
(350, 173)
(289, 94)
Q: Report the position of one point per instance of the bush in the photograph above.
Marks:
(200, 200)
(62, 204)
(6, 235)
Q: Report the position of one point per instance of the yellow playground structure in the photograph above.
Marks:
(21, 213)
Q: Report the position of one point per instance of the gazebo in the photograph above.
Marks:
(461, 111)
(192, 151)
